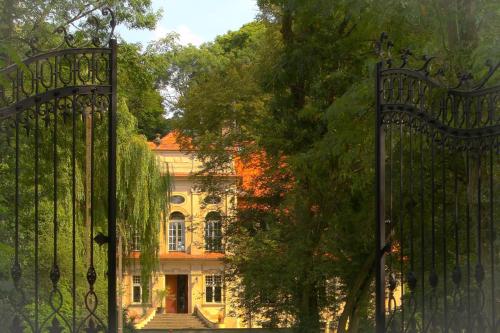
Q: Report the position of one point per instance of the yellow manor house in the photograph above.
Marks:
(187, 290)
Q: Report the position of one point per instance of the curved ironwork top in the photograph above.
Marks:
(97, 32)
(468, 110)
(62, 71)
(57, 73)
(466, 83)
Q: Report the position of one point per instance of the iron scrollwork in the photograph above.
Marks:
(56, 110)
(438, 191)
(85, 30)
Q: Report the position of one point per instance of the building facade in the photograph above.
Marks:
(189, 278)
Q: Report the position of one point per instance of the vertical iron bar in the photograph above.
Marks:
(455, 187)
(457, 274)
(55, 171)
(479, 207)
(92, 173)
(73, 209)
(433, 201)
(401, 221)
(112, 306)
(380, 208)
(16, 269)
(37, 278)
(422, 226)
(74, 69)
(444, 235)
(412, 249)
(433, 277)
(467, 243)
(16, 207)
(479, 270)
(36, 207)
(411, 275)
(492, 241)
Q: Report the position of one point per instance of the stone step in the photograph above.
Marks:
(168, 321)
(173, 323)
(178, 326)
(176, 320)
(166, 327)
(168, 324)
(189, 320)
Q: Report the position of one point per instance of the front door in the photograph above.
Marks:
(171, 298)
(182, 291)
(176, 300)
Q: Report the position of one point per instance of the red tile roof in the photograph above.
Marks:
(167, 142)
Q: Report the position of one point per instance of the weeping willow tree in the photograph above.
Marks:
(142, 195)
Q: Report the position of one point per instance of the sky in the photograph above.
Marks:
(196, 21)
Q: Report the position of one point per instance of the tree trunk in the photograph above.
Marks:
(469, 33)
(360, 286)
(308, 309)
(461, 32)
(360, 305)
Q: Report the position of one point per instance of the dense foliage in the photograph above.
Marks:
(140, 73)
(293, 93)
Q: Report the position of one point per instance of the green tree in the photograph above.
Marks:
(297, 86)
(139, 84)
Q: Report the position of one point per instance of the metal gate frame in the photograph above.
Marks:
(40, 91)
(464, 119)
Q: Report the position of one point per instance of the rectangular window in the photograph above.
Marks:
(136, 289)
(213, 288)
(136, 241)
(213, 236)
(176, 236)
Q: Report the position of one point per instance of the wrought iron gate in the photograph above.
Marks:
(437, 181)
(57, 186)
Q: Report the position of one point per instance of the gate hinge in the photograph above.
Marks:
(387, 248)
(101, 239)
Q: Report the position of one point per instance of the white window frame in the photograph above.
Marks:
(213, 281)
(176, 235)
(136, 282)
(136, 241)
(212, 233)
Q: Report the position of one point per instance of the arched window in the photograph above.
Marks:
(176, 232)
(213, 232)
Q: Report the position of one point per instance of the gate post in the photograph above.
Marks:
(380, 209)
(113, 311)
